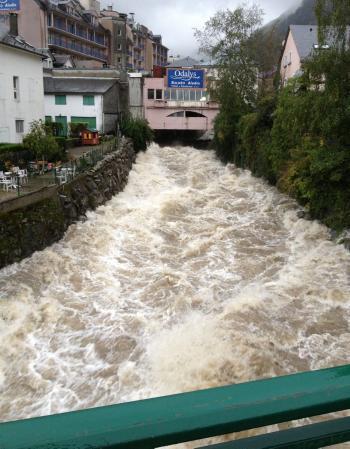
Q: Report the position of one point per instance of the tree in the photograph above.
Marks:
(333, 18)
(229, 39)
(138, 130)
(41, 142)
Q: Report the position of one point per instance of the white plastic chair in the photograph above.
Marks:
(8, 183)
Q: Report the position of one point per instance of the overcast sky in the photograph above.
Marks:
(175, 19)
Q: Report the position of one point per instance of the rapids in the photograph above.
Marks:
(197, 275)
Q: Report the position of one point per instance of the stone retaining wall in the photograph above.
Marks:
(36, 221)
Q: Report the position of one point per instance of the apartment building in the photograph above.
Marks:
(75, 31)
(65, 28)
(133, 46)
(121, 40)
(160, 52)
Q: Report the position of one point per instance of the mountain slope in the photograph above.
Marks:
(302, 15)
(272, 34)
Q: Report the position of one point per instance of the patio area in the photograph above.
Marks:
(46, 174)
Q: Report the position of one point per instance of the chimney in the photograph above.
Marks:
(110, 7)
(13, 24)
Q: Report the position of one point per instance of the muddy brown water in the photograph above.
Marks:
(197, 275)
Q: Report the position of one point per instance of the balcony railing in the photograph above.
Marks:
(80, 33)
(77, 47)
(168, 420)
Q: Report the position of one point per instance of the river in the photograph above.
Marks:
(197, 275)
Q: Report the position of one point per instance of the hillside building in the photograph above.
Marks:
(300, 43)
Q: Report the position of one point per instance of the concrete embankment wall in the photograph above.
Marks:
(35, 221)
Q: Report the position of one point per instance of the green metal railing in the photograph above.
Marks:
(192, 416)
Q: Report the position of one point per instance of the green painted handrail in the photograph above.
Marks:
(184, 417)
(313, 436)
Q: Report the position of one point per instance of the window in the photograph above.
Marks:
(19, 126)
(193, 114)
(177, 114)
(88, 100)
(159, 94)
(198, 95)
(119, 60)
(150, 94)
(119, 47)
(16, 88)
(119, 32)
(60, 99)
(180, 95)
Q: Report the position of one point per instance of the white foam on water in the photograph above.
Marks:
(197, 275)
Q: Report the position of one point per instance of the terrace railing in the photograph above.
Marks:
(192, 416)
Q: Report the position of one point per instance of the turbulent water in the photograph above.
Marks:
(197, 275)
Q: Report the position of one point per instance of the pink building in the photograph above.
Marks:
(179, 101)
(300, 43)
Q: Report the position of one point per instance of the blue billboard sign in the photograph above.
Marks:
(186, 78)
(9, 5)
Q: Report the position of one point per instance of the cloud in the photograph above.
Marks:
(176, 20)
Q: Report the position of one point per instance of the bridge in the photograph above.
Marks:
(179, 101)
(192, 416)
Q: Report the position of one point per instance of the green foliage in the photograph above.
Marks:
(77, 128)
(72, 142)
(254, 131)
(42, 143)
(66, 144)
(333, 18)
(13, 154)
(53, 128)
(61, 141)
(139, 131)
(11, 147)
(230, 39)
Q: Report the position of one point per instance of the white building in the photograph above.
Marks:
(94, 101)
(21, 87)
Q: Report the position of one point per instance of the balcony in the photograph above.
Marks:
(82, 34)
(77, 48)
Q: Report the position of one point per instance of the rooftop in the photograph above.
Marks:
(305, 38)
(77, 85)
(17, 42)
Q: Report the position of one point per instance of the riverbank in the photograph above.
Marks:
(35, 221)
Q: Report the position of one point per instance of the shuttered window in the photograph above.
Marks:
(88, 100)
(60, 99)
